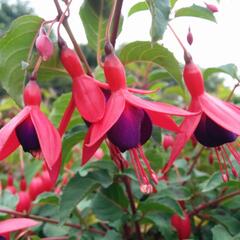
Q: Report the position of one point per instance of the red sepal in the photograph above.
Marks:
(156, 106)
(48, 137)
(88, 152)
(88, 97)
(15, 224)
(114, 108)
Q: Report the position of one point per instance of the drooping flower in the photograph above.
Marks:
(15, 224)
(127, 123)
(217, 126)
(31, 129)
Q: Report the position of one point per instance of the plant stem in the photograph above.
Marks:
(116, 19)
(48, 220)
(74, 42)
(213, 203)
(195, 159)
(132, 204)
(232, 92)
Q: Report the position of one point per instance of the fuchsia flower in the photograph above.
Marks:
(217, 126)
(127, 123)
(31, 128)
(14, 224)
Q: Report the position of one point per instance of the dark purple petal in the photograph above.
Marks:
(146, 128)
(132, 128)
(210, 134)
(27, 136)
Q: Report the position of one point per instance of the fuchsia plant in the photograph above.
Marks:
(113, 113)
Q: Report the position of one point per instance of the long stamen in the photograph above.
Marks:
(152, 173)
(224, 161)
(224, 177)
(234, 152)
(234, 172)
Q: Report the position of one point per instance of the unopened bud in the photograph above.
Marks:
(44, 45)
(189, 37)
(211, 7)
(225, 177)
(234, 172)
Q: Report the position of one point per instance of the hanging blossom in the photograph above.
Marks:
(217, 126)
(31, 129)
(127, 123)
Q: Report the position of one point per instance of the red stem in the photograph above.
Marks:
(132, 204)
(213, 203)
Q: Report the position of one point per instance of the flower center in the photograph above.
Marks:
(27, 136)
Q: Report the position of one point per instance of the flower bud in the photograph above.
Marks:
(167, 141)
(182, 226)
(44, 45)
(189, 37)
(211, 7)
(32, 94)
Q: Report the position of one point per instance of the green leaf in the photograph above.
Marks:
(15, 46)
(71, 138)
(8, 200)
(47, 198)
(58, 109)
(51, 230)
(109, 204)
(94, 19)
(163, 225)
(141, 6)
(160, 11)
(154, 53)
(230, 69)
(213, 182)
(195, 11)
(7, 104)
(112, 234)
(224, 218)
(219, 232)
(77, 188)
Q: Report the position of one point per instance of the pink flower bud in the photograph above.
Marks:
(211, 7)
(44, 45)
(167, 141)
(189, 37)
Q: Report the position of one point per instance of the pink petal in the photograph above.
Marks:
(163, 121)
(141, 91)
(221, 113)
(156, 106)
(10, 146)
(48, 136)
(15, 224)
(54, 171)
(88, 152)
(6, 132)
(89, 99)
(114, 108)
(187, 128)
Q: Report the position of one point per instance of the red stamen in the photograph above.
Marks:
(234, 152)
(220, 164)
(234, 172)
(152, 173)
(224, 160)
